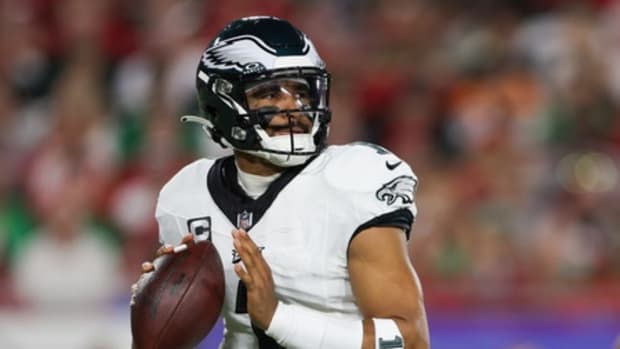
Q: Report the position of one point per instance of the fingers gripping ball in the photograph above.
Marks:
(176, 305)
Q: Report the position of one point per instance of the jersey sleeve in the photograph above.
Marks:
(171, 227)
(375, 187)
(176, 199)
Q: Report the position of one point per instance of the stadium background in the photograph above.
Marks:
(507, 110)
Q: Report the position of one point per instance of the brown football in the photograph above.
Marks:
(177, 304)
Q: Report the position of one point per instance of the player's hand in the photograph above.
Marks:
(147, 267)
(187, 241)
(256, 275)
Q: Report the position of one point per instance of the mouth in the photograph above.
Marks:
(278, 130)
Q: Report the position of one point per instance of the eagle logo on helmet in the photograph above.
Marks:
(239, 52)
(402, 187)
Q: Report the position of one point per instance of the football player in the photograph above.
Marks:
(313, 237)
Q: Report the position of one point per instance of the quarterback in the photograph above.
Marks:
(313, 237)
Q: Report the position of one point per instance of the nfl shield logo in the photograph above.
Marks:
(244, 220)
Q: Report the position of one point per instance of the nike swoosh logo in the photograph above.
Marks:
(392, 166)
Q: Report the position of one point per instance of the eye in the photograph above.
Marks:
(301, 92)
(304, 95)
(267, 92)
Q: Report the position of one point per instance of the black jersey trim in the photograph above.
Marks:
(401, 218)
(265, 341)
(232, 200)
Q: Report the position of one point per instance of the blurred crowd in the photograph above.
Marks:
(508, 111)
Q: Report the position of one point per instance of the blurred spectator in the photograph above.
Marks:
(81, 141)
(67, 264)
(131, 202)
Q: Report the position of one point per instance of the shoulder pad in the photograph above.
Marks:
(183, 182)
(364, 167)
(174, 198)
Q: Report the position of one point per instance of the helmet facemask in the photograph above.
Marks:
(288, 113)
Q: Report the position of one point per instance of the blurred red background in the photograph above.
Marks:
(507, 111)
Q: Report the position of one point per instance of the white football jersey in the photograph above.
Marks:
(303, 223)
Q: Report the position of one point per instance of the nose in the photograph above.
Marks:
(289, 101)
(290, 119)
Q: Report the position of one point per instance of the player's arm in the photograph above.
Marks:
(385, 285)
(387, 289)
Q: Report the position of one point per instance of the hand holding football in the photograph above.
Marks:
(176, 305)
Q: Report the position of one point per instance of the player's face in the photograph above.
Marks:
(283, 95)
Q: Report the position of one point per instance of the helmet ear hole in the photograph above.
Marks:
(214, 132)
(212, 112)
(216, 136)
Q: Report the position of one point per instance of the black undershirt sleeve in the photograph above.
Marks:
(402, 218)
